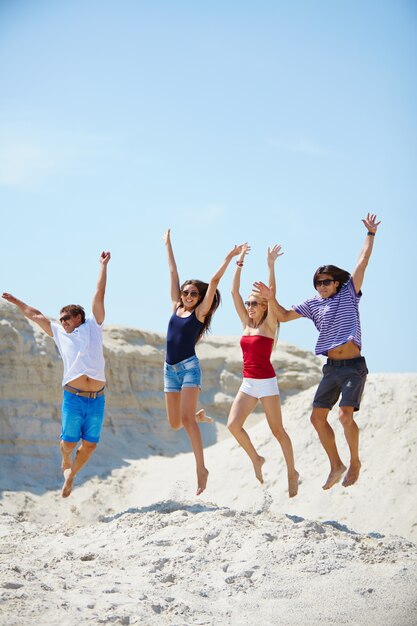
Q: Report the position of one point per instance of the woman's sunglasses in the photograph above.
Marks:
(326, 282)
(193, 294)
(249, 303)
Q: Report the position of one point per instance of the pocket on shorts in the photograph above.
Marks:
(191, 364)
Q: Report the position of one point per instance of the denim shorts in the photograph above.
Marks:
(260, 387)
(82, 418)
(186, 373)
(346, 377)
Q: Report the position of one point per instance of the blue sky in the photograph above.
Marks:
(268, 122)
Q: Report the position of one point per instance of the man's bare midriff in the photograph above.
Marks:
(348, 350)
(85, 383)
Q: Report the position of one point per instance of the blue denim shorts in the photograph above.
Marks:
(82, 418)
(186, 373)
(341, 377)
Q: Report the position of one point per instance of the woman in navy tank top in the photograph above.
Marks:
(193, 305)
(259, 379)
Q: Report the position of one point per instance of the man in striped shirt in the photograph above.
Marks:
(334, 311)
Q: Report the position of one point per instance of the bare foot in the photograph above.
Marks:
(334, 476)
(293, 484)
(201, 416)
(352, 474)
(67, 487)
(257, 466)
(201, 481)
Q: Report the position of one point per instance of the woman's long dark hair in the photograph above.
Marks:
(202, 290)
(342, 276)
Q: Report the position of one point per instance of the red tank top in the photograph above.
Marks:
(257, 351)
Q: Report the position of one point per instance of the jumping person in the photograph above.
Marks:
(80, 344)
(193, 305)
(335, 313)
(259, 323)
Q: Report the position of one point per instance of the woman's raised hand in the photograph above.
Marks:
(245, 249)
(238, 250)
(274, 253)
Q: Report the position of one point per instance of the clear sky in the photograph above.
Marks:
(228, 121)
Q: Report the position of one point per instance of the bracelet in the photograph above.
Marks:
(371, 234)
(239, 263)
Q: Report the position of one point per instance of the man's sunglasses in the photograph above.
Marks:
(326, 282)
(65, 318)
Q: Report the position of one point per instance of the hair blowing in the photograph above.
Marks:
(342, 276)
(202, 290)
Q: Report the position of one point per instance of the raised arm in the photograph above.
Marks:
(205, 305)
(365, 254)
(237, 298)
(281, 314)
(98, 298)
(272, 255)
(33, 314)
(174, 278)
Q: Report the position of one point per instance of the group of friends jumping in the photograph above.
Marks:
(334, 310)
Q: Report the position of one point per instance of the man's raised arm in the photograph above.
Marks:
(282, 315)
(98, 299)
(31, 313)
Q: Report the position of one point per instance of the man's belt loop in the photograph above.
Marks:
(345, 362)
(85, 394)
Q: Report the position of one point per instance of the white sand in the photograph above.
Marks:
(133, 545)
(139, 548)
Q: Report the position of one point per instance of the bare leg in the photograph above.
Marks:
(188, 406)
(352, 437)
(242, 407)
(82, 455)
(173, 408)
(67, 448)
(272, 407)
(328, 441)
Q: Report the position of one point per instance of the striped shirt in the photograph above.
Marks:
(336, 318)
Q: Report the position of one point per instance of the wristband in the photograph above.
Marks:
(371, 234)
(239, 263)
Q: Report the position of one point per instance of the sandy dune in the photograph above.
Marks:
(133, 545)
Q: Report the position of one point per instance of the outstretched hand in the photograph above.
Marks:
(104, 258)
(245, 249)
(263, 290)
(238, 250)
(9, 297)
(167, 236)
(370, 222)
(274, 253)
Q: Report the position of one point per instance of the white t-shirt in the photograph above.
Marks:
(81, 350)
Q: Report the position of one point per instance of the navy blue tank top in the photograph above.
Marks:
(181, 337)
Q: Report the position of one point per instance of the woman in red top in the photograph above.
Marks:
(259, 380)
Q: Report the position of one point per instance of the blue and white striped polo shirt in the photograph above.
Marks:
(336, 318)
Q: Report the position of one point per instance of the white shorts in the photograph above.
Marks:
(260, 387)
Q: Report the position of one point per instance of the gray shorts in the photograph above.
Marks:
(346, 377)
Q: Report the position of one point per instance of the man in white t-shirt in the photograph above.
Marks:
(80, 344)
